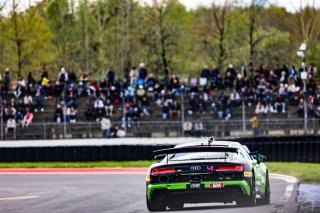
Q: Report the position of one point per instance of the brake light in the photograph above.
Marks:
(230, 168)
(162, 171)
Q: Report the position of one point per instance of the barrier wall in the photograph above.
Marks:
(286, 149)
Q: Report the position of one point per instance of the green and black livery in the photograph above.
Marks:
(204, 172)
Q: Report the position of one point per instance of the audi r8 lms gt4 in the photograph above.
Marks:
(204, 172)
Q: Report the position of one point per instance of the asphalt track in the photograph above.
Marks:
(101, 192)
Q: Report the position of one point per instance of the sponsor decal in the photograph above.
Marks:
(216, 185)
(148, 178)
(195, 168)
(195, 185)
(247, 174)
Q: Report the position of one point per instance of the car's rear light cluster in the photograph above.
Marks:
(162, 171)
(230, 168)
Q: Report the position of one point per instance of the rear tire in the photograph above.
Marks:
(251, 200)
(266, 199)
(155, 207)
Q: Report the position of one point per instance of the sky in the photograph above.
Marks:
(290, 5)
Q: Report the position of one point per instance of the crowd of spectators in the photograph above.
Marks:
(215, 92)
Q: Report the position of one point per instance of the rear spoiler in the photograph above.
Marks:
(162, 152)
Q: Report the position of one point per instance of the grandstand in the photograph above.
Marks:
(150, 106)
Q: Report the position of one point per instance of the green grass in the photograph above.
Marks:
(305, 172)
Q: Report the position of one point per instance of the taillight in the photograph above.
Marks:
(230, 168)
(162, 171)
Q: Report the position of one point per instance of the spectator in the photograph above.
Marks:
(20, 89)
(259, 108)
(205, 73)
(187, 128)
(136, 116)
(110, 77)
(202, 105)
(151, 82)
(58, 116)
(254, 123)
(133, 77)
(198, 128)
(105, 126)
(142, 72)
(44, 74)
(280, 104)
(27, 120)
(11, 127)
(81, 89)
(73, 115)
(93, 89)
(175, 85)
(121, 133)
(213, 109)
(235, 98)
(30, 81)
(165, 110)
(72, 77)
(7, 76)
(39, 101)
(63, 75)
(58, 89)
(99, 108)
(145, 106)
(175, 110)
(108, 107)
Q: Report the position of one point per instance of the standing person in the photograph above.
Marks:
(6, 80)
(187, 128)
(110, 76)
(142, 74)
(105, 126)
(198, 127)
(133, 77)
(254, 123)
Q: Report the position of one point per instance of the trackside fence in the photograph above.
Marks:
(156, 129)
(285, 149)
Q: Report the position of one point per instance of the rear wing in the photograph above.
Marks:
(163, 152)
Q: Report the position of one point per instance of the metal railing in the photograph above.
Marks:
(216, 128)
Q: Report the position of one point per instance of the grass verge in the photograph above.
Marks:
(305, 172)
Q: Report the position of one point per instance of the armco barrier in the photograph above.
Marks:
(286, 149)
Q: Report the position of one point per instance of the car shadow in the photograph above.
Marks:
(216, 207)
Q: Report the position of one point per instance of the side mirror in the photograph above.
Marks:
(261, 158)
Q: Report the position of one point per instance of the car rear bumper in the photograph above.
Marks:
(181, 192)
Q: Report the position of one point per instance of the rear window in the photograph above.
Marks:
(199, 156)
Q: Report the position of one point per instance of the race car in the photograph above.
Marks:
(204, 172)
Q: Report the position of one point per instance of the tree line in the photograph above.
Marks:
(95, 36)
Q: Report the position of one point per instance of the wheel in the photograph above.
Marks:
(251, 200)
(176, 205)
(155, 207)
(266, 199)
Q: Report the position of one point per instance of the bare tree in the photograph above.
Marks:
(254, 39)
(159, 39)
(221, 21)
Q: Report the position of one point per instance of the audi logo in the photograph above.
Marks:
(195, 168)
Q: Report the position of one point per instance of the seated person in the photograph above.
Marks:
(11, 126)
(175, 110)
(27, 120)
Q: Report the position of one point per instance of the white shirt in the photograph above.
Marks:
(105, 123)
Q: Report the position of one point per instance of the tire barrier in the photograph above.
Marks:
(285, 149)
